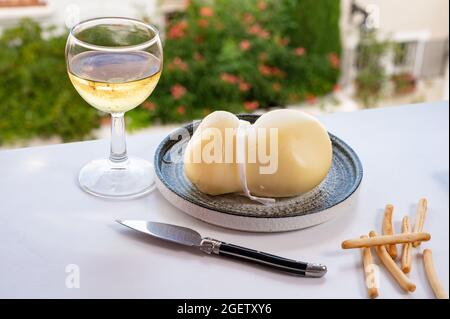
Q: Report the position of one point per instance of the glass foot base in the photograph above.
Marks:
(126, 180)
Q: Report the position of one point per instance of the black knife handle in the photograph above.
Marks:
(280, 263)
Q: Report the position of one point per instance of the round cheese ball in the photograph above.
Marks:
(304, 155)
(298, 162)
(212, 178)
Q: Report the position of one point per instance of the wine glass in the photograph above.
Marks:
(115, 64)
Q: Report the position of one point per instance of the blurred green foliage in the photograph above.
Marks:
(225, 54)
(115, 35)
(241, 55)
(311, 24)
(36, 96)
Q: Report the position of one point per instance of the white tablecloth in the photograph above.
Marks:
(48, 223)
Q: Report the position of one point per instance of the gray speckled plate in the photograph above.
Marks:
(238, 212)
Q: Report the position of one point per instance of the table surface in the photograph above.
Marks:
(48, 223)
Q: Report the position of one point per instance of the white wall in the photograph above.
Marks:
(66, 12)
(408, 16)
(87, 9)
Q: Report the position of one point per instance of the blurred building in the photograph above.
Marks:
(67, 12)
(418, 28)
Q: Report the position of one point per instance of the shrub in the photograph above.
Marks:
(224, 54)
(241, 55)
(36, 96)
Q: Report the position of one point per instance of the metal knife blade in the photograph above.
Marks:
(172, 233)
(190, 237)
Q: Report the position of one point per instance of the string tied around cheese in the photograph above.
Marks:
(241, 157)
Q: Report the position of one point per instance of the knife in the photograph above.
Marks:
(189, 237)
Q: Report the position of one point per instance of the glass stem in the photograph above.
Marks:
(118, 152)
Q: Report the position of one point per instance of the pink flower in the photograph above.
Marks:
(251, 105)
(268, 70)
(206, 12)
(177, 91)
(264, 69)
(248, 18)
(337, 87)
(181, 109)
(284, 42)
(257, 30)
(310, 98)
(334, 60)
(244, 86)
(262, 5)
(177, 30)
(149, 106)
(229, 78)
(245, 45)
(299, 51)
(202, 23)
(277, 72)
(179, 64)
(264, 34)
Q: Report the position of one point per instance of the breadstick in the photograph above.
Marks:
(385, 240)
(388, 229)
(370, 274)
(407, 247)
(392, 267)
(432, 276)
(421, 212)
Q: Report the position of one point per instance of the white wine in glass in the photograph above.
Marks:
(115, 64)
(114, 82)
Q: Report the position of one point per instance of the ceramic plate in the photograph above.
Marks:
(238, 212)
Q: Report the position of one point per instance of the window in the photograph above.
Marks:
(404, 54)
